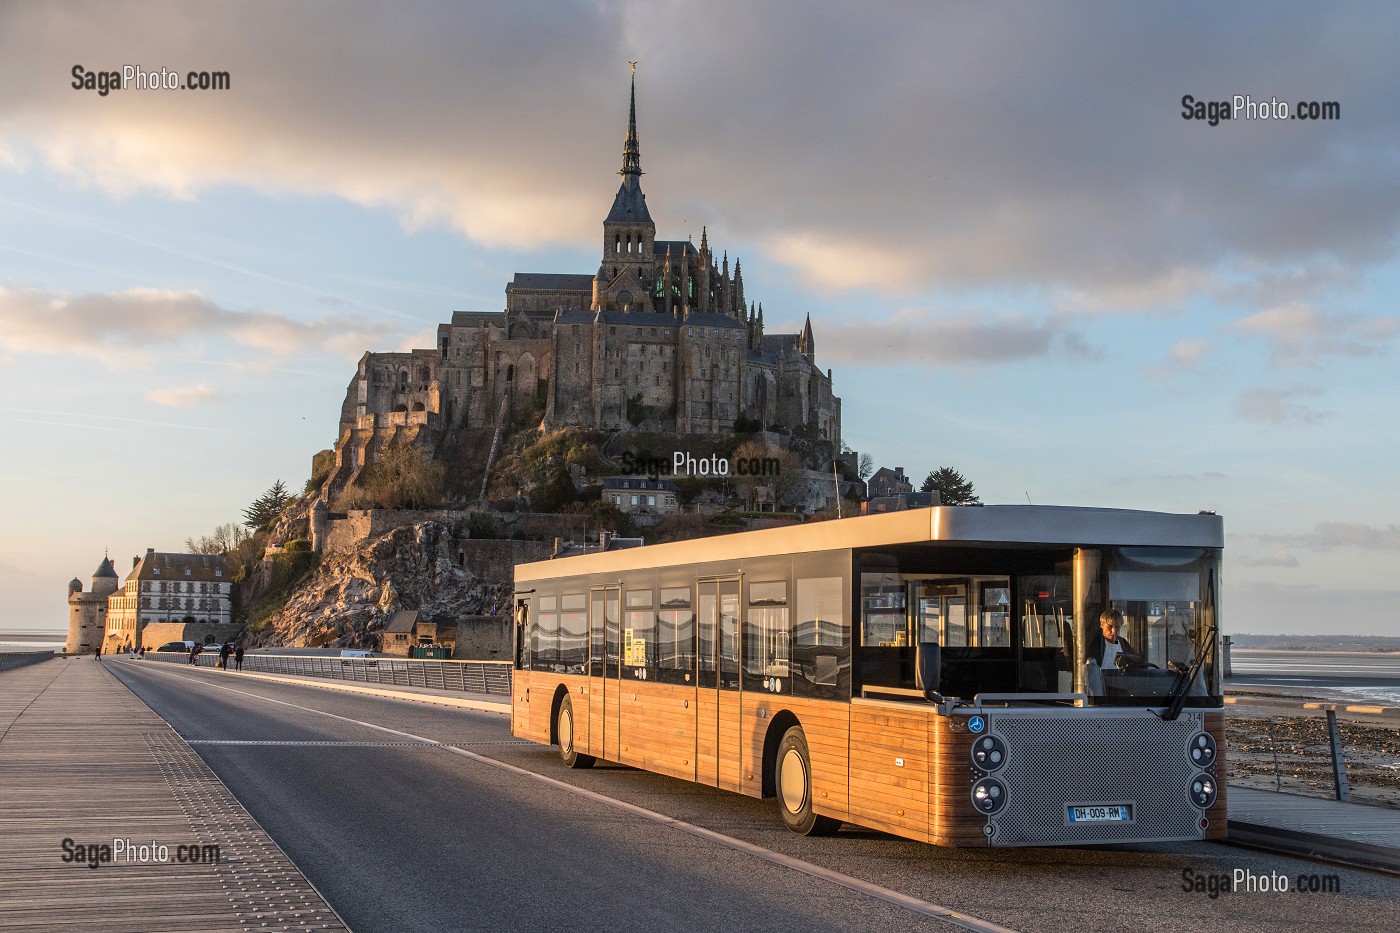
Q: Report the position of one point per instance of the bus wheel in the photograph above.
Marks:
(564, 728)
(794, 783)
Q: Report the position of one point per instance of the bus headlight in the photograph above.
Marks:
(1202, 791)
(988, 753)
(988, 795)
(1202, 750)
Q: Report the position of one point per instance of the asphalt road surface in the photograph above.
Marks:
(486, 832)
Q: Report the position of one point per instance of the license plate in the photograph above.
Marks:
(1115, 813)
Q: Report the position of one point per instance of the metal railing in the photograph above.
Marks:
(488, 677)
(13, 659)
(1303, 750)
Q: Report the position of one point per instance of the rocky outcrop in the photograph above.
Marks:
(349, 597)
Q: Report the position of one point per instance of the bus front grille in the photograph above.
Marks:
(1106, 757)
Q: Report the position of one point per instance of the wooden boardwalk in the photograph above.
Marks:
(82, 758)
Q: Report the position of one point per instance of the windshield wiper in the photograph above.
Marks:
(1189, 678)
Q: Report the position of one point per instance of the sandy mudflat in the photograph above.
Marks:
(1280, 750)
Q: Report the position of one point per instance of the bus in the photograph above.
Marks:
(940, 674)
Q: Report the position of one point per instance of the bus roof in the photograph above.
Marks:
(992, 524)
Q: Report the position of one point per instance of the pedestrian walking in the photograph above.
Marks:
(97, 655)
(238, 657)
(224, 652)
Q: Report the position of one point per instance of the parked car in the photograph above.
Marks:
(347, 655)
(181, 646)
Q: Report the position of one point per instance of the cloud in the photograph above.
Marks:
(1184, 357)
(126, 328)
(1350, 534)
(923, 338)
(182, 395)
(1307, 609)
(1279, 558)
(1327, 536)
(874, 147)
(1279, 406)
(1300, 335)
(1188, 352)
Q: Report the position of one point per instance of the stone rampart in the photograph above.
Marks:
(483, 638)
(155, 634)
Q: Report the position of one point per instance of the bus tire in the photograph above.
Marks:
(564, 728)
(793, 780)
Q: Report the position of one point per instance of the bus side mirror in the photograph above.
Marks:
(929, 669)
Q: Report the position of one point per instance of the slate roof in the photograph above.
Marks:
(635, 482)
(470, 318)
(553, 281)
(677, 248)
(402, 621)
(630, 205)
(639, 318)
(714, 320)
(159, 566)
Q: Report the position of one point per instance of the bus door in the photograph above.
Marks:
(940, 614)
(605, 659)
(717, 684)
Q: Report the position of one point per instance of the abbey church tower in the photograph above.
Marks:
(626, 274)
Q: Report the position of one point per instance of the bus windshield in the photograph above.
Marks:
(1026, 620)
(1147, 625)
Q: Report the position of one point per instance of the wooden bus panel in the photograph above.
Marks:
(889, 762)
(1218, 814)
(658, 730)
(731, 750)
(707, 737)
(826, 726)
(520, 708)
(952, 820)
(592, 736)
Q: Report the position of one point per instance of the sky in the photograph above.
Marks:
(1020, 259)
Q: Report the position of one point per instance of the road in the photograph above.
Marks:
(402, 835)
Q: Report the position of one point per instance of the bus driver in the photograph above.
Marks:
(1106, 647)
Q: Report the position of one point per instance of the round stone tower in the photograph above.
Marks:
(318, 526)
(87, 612)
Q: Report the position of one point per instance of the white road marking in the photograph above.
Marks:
(927, 909)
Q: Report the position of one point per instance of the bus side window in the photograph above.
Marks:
(522, 634)
(821, 639)
(767, 640)
(639, 635)
(572, 652)
(675, 660)
(545, 647)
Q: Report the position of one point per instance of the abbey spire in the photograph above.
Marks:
(628, 272)
(631, 153)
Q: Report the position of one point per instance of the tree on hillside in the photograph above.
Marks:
(263, 513)
(952, 487)
(406, 477)
(866, 466)
(224, 539)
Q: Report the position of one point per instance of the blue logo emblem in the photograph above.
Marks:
(976, 723)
